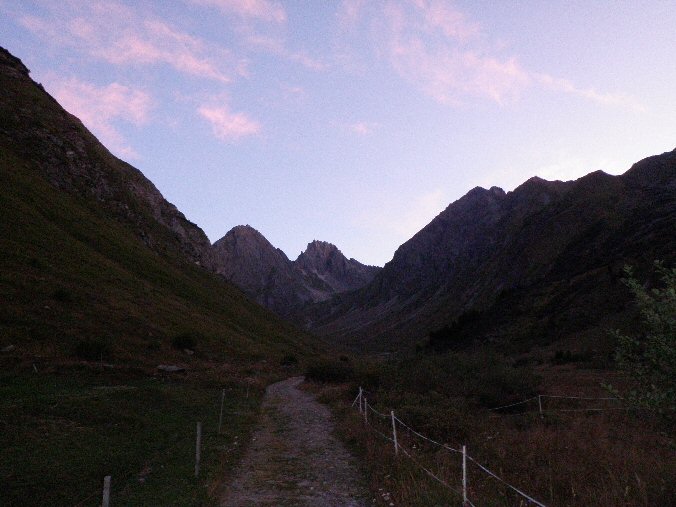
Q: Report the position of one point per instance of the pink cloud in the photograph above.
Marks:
(363, 128)
(229, 126)
(264, 10)
(444, 17)
(446, 71)
(349, 13)
(442, 52)
(120, 35)
(99, 108)
(609, 99)
(277, 47)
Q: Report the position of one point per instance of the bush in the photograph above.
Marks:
(330, 371)
(289, 360)
(92, 349)
(62, 295)
(187, 340)
(650, 357)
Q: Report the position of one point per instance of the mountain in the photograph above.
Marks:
(244, 257)
(324, 261)
(92, 252)
(540, 263)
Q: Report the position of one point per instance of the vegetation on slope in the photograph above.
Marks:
(577, 452)
(96, 291)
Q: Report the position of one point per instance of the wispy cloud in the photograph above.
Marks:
(610, 99)
(264, 10)
(118, 34)
(277, 46)
(363, 128)
(100, 107)
(440, 50)
(226, 125)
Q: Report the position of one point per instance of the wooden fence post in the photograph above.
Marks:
(540, 404)
(394, 434)
(464, 476)
(198, 449)
(106, 491)
(366, 411)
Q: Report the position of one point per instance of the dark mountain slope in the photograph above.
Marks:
(91, 253)
(553, 250)
(72, 160)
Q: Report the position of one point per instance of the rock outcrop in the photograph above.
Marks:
(265, 273)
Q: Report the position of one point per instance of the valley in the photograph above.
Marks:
(122, 327)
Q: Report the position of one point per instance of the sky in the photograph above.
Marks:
(354, 121)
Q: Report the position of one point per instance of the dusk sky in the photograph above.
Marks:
(357, 121)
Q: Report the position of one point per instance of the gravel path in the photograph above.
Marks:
(293, 458)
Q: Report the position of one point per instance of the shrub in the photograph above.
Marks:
(62, 295)
(289, 360)
(330, 371)
(186, 340)
(650, 357)
(92, 349)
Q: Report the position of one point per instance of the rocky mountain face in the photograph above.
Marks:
(265, 273)
(543, 260)
(327, 265)
(73, 160)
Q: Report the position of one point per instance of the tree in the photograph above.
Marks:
(650, 357)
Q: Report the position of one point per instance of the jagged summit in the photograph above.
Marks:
(245, 257)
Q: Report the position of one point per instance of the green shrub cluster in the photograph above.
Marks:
(92, 349)
(330, 371)
(186, 340)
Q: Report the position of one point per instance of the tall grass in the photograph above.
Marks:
(604, 458)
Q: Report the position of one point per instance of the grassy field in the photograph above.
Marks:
(64, 430)
(569, 457)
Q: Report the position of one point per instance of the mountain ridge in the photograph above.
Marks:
(490, 242)
(246, 258)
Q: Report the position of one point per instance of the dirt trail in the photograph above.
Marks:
(293, 458)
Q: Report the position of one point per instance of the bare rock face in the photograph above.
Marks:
(265, 273)
(244, 257)
(73, 160)
(324, 262)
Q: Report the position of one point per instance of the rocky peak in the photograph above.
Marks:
(323, 261)
(245, 257)
(12, 65)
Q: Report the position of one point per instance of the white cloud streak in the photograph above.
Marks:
(263, 10)
(100, 107)
(228, 126)
(119, 35)
(437, 48)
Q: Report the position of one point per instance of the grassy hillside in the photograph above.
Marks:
(96, 291)
(70, 274)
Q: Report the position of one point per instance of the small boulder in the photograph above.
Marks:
(170, 368)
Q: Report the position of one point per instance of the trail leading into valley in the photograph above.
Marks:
(294, 459)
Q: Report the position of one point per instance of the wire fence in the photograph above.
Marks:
(412, 446)
(184, 441)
